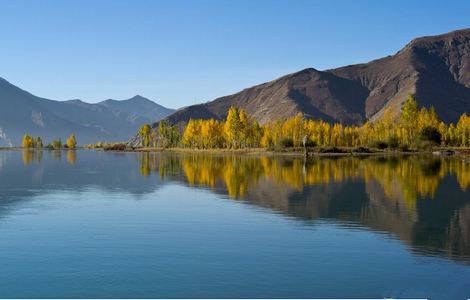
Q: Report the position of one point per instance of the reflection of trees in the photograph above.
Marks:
(408, 178)
(29, 156)
(71, 157)
(387, 194)
(57, 154)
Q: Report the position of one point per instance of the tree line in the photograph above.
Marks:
(412, 128)
(30, 142)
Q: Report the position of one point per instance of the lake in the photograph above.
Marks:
(106, 225)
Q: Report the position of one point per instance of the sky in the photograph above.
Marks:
(179, 53)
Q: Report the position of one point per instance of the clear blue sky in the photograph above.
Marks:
(181, 52)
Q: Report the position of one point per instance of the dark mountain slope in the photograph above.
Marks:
(436, 69)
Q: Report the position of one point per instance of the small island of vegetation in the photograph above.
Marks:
(30, 142)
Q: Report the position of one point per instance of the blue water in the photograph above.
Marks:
(97, 226)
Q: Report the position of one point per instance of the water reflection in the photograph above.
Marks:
(423, 201)
(71, 157)
(30, 155)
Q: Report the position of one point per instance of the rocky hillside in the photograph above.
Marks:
(436, 69)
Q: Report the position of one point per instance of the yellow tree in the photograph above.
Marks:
(144, 133)
(409, 119)
(254, 134)
(28, 141)
(385, 127)
(451, 136)
(244, 127)
(71, 141)
(191, 133)
(463, 130)
(232, 127)
(266, 138)
(211, 133)
(337, 135)
(293, 129)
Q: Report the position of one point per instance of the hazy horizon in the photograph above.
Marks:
(180, 53)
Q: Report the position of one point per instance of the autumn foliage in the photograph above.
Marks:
(413, 127)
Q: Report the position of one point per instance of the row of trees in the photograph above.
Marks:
(238, 131)
(413, 127)
(36, 142)
(166, 135)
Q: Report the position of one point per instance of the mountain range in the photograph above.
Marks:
(109, 120)
(436, 69)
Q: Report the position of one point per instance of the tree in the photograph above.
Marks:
(144, 133)
(463, 130)
(244, 127)
(162, 134)
(409, 118)
(39, 143)
(266, 139)
(57, 144)
(232, 127)
(292, 129)
(411, 128)
(254, 134)
(28, 141)
(191, 133)
(71, 142)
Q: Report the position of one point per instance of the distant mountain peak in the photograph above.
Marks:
(138, 97)
(22, 112)
(132, 99)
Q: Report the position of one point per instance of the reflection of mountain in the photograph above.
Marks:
(422, 201)
(31, 172)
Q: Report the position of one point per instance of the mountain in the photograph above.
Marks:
(138, 106)
(110, 120)
(436, 69)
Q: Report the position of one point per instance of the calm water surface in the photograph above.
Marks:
(94, 224)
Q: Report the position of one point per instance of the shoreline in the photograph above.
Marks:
(267, 152)
(295, 153)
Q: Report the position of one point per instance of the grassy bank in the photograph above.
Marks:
(318, 151)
